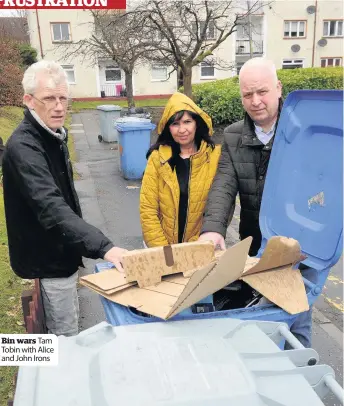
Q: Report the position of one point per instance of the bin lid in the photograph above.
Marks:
(303, 192)
(109, 107)
(195, 362)
(133, 123)
(130, 119)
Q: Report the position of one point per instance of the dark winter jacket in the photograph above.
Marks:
(242, 169)
(47, 236)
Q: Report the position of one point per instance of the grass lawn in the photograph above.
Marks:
(89, 105)
(11, 318)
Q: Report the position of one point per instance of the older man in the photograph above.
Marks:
(243, 166)
(47, 236)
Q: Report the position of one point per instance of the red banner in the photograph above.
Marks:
(62, 4)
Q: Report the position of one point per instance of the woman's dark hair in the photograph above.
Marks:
(165, 138)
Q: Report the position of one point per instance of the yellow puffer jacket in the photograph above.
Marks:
(159, 199)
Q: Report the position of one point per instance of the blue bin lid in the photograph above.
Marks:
(109, 107)
(303, 193)
(133, 123)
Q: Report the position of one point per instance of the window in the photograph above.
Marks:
(207, 70)
(210, 32)
(159, 72)
(113, 73)
(294, 29)
(69, 69)
(242, 31)
(60, 32)
(292, 63)
(325, 62)
(333, 28)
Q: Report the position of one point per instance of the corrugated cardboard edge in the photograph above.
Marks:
(85, 282)
(106, 280)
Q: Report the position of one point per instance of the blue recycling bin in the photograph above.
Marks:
(302, 199)
(133, 143)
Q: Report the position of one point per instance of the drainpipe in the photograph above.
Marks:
(314, 32)
(39, 35)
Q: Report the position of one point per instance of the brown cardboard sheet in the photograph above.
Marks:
(147, 266)
(272, 275)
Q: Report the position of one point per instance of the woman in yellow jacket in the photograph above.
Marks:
(180, 171)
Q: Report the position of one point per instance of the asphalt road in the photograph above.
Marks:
(111, 203)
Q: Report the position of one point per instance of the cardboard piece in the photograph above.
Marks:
(273, 276)
(108, 281)
(147, 266)
(288, 291)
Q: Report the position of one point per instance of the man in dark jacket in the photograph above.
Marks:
(245, 156)
(47, 236)
(243, 166)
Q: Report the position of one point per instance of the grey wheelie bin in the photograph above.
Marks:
(209, 362)
(108, 114)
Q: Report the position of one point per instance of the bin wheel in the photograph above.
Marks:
(100, 138)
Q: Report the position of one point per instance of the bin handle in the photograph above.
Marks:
(289, 337)
(334, 387)
(329, 380)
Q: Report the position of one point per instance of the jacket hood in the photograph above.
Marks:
(177, 102)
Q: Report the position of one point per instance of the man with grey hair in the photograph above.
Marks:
(243, 166)
(47, 236)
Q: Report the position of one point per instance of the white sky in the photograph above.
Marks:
(6, 13)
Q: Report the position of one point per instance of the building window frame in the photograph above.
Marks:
(210, 34)
(334, 60)
(298, 29)
(61, 39)
(205, 64)
(158, 66)
(338, 28)
(293, 63)
(70, 69)
(113, 68)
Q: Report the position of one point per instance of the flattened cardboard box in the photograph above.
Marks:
(147, 266)
(272, 275)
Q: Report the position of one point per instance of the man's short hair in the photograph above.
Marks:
(50, 69)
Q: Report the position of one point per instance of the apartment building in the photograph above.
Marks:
(293, 33)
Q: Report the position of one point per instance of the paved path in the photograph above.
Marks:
(110, 205)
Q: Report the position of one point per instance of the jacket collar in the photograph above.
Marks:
(249, 137)
(61, 135)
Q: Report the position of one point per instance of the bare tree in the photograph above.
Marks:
(115, 36)
(15, 26)
(186, 33)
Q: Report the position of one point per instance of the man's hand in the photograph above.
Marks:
(115, 256)
(216, 238)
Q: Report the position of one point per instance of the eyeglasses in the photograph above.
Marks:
(52, 101)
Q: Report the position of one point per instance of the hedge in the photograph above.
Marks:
(11, 74)
(221, 98)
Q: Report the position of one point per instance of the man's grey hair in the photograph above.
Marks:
(48, 69)
(259, 63)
